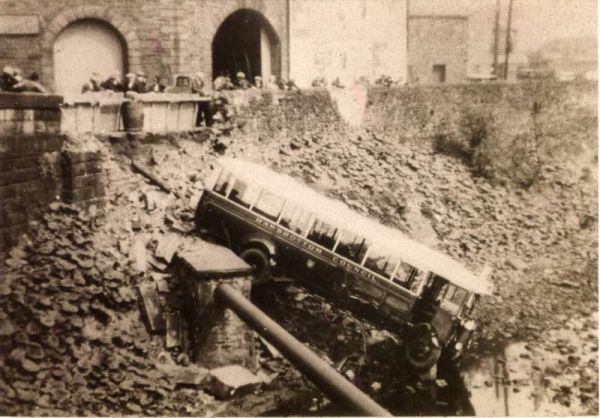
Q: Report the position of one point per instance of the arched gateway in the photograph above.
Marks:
(85, 47)
(247, 42)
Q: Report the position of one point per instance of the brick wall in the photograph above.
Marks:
(35, 170)
(161, 36)
(437, 40)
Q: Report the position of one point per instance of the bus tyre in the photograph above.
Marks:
(421, 347)
(259, 262)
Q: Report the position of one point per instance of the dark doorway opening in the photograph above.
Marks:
(245, 42)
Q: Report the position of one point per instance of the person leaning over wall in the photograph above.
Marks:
(93, 84)
(205, 107)
(112, 83)
(12, 81)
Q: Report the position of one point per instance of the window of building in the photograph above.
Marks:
(439, 73)
(243, 193)
(268, 205)
(352, 246)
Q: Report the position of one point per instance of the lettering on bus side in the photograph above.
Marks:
(288, 235)
(347, 265)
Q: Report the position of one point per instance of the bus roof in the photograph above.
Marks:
(338, 214)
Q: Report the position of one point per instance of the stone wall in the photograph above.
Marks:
(161, 37)
(418, 111)
(561, 117)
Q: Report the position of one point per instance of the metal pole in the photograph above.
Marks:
(496, 38)
(308, 363)
(508, 42)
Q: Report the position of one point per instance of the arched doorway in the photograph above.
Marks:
(85, 47)
(246, 42)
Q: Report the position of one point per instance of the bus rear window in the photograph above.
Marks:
(243, 194)
(222, 183)
(268, 205)
(323, 234)
(352, 247)
(381, 262)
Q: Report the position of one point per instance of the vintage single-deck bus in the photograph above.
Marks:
(273, 221)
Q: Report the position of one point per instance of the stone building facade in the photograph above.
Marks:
(437, 48)
(349, 39)
(160, 37)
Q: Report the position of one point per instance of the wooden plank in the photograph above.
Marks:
(151, 306)
(173, 329)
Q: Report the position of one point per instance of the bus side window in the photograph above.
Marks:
(294, 218)
(243, 194)
(352, 247)
(222, 183)
(381, 262)
(416, 279)
(405, 275)
(323, 234)
(268, 205)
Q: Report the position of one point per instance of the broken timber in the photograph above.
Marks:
(145, 171)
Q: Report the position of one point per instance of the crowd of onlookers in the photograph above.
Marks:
(197, 84)
(12, 80)
(382, 80)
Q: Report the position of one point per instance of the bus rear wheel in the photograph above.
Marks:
(259, 261)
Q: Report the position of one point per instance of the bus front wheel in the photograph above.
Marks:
(259, 261)
(422, 348)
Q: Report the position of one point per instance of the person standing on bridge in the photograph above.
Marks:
(205, 107)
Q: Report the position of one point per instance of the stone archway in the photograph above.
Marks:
(76, 51)
(246, 41)
(126, 32)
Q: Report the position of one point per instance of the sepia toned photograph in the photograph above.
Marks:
(298, 208)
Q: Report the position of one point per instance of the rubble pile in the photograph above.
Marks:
(541, 242)
(72, 340)
(365, 353)
(76, 337)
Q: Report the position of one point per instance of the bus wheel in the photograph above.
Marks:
(421, 347)
(259, 262)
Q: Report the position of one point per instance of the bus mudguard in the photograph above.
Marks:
(262, 241)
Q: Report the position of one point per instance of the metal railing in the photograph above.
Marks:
(334, 385)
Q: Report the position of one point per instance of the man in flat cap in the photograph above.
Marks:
(93, 85)
(7, 79)
(241, 81)
(140, 82)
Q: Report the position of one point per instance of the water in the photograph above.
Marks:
(509, 382)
